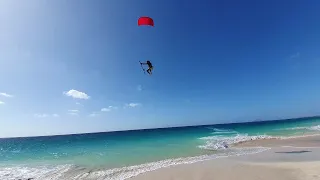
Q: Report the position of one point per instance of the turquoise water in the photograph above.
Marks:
(53, 156)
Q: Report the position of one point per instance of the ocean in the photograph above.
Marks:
(121, 155)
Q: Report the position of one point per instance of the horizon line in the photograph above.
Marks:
(169, 127)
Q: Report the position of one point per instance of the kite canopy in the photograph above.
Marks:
(145, 21)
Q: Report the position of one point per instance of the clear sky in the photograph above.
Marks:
(73, 66)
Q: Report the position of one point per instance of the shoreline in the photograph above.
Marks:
(293, 158)
(308, 140)
(256, 153)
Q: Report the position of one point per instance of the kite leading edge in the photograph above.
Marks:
(145, 21)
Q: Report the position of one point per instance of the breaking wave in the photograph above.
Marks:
(224, 142)
(310, 128)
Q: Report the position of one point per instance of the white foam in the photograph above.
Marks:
(311, 128)
(224, 132)
(219, 142)
(69, 172)
(221, 131)
(23, 172)
(315, 128)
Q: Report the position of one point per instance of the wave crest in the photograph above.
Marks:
(219, 142)
(311, 128)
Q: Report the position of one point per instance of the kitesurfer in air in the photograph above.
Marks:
(150, 67)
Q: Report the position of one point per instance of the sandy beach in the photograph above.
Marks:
(289, 159)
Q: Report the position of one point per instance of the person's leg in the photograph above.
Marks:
(149, 71)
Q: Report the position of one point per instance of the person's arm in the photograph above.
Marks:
(143, 63)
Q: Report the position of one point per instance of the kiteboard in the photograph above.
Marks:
(144, 71)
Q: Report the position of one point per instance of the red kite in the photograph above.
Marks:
(145, 21)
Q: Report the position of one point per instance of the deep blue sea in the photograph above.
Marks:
(121, 155)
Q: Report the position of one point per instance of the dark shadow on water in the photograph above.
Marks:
(294, 152)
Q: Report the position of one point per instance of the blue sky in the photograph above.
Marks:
(73, 66)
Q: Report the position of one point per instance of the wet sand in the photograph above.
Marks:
(289, 159)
